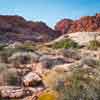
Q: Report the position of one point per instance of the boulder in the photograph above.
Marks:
(71, 53)
(48, 61)
(32, 79)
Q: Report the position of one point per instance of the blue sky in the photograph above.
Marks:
(49, 11)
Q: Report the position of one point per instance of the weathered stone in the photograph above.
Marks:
(32, 79)
(48, 61)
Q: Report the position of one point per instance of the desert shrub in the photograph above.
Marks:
(94, 45)
(48, 95)
(11, 77)
(4, 57)
(2, 46)
(26, 46)
(10, 50)
(3, 67)
(51, 78)
(24, 57)
(8, 76)
(67, 43)
(82, 85)
(6, 53)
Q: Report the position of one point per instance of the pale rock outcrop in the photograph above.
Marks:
(31, 79)
(83, 38)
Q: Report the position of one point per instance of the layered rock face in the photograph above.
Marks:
(17, 28)
(86, 23)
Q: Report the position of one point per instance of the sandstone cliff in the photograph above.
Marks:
(86, 23)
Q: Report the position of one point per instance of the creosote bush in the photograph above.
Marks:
(67, 43)
(11, 77)
(94, 45)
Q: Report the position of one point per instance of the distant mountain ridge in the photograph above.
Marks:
(85, 23)
(17, 28)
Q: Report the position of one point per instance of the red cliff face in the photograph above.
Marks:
(87, 23)
(17, 28)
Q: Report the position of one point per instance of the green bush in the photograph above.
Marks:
(67, 43)
(2, 46)
(94, 45)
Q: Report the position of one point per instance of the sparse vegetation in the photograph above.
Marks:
(83, 85)
(12, 77)
(94, 45)
(67, 43)
(90, 62)
(3, 67)
(26, 46)
(80, 81)
(23, 57)
(2, 46)
(49, 95)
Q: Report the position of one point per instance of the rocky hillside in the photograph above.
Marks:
(63, 69)
(56, 68)
(86, 23)
(16, 28)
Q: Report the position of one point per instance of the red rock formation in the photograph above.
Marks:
(17, 28)
(63, 25)
(86, 23)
